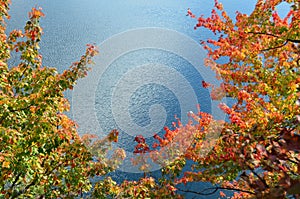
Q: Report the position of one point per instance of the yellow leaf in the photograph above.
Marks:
(5, 164)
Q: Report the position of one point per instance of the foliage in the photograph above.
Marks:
(142, 189)
(257, 154)
(41, 154)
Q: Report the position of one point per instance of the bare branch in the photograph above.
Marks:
(215, 189)
(272, 35)
(262, 180)
(294, 40)
(263, 33)
(276, 36)
(276, 47)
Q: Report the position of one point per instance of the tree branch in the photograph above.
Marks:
(15, 181)
(262, 180)
(12, 111)
(294, 40)
(25, 189)
(215, 189)
(272, 35)
(280, 46)
(201, 192)
(263, 33)
(276, 36)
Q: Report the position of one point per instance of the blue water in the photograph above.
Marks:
(71, 24)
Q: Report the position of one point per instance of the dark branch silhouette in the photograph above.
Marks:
(260, 178)
(276, 47)
(276, 36)
(272, 35)
(214, 190)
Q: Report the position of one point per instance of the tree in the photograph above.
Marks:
(257, 154)
(41, 154)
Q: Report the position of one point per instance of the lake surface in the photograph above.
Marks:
(136, 85)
